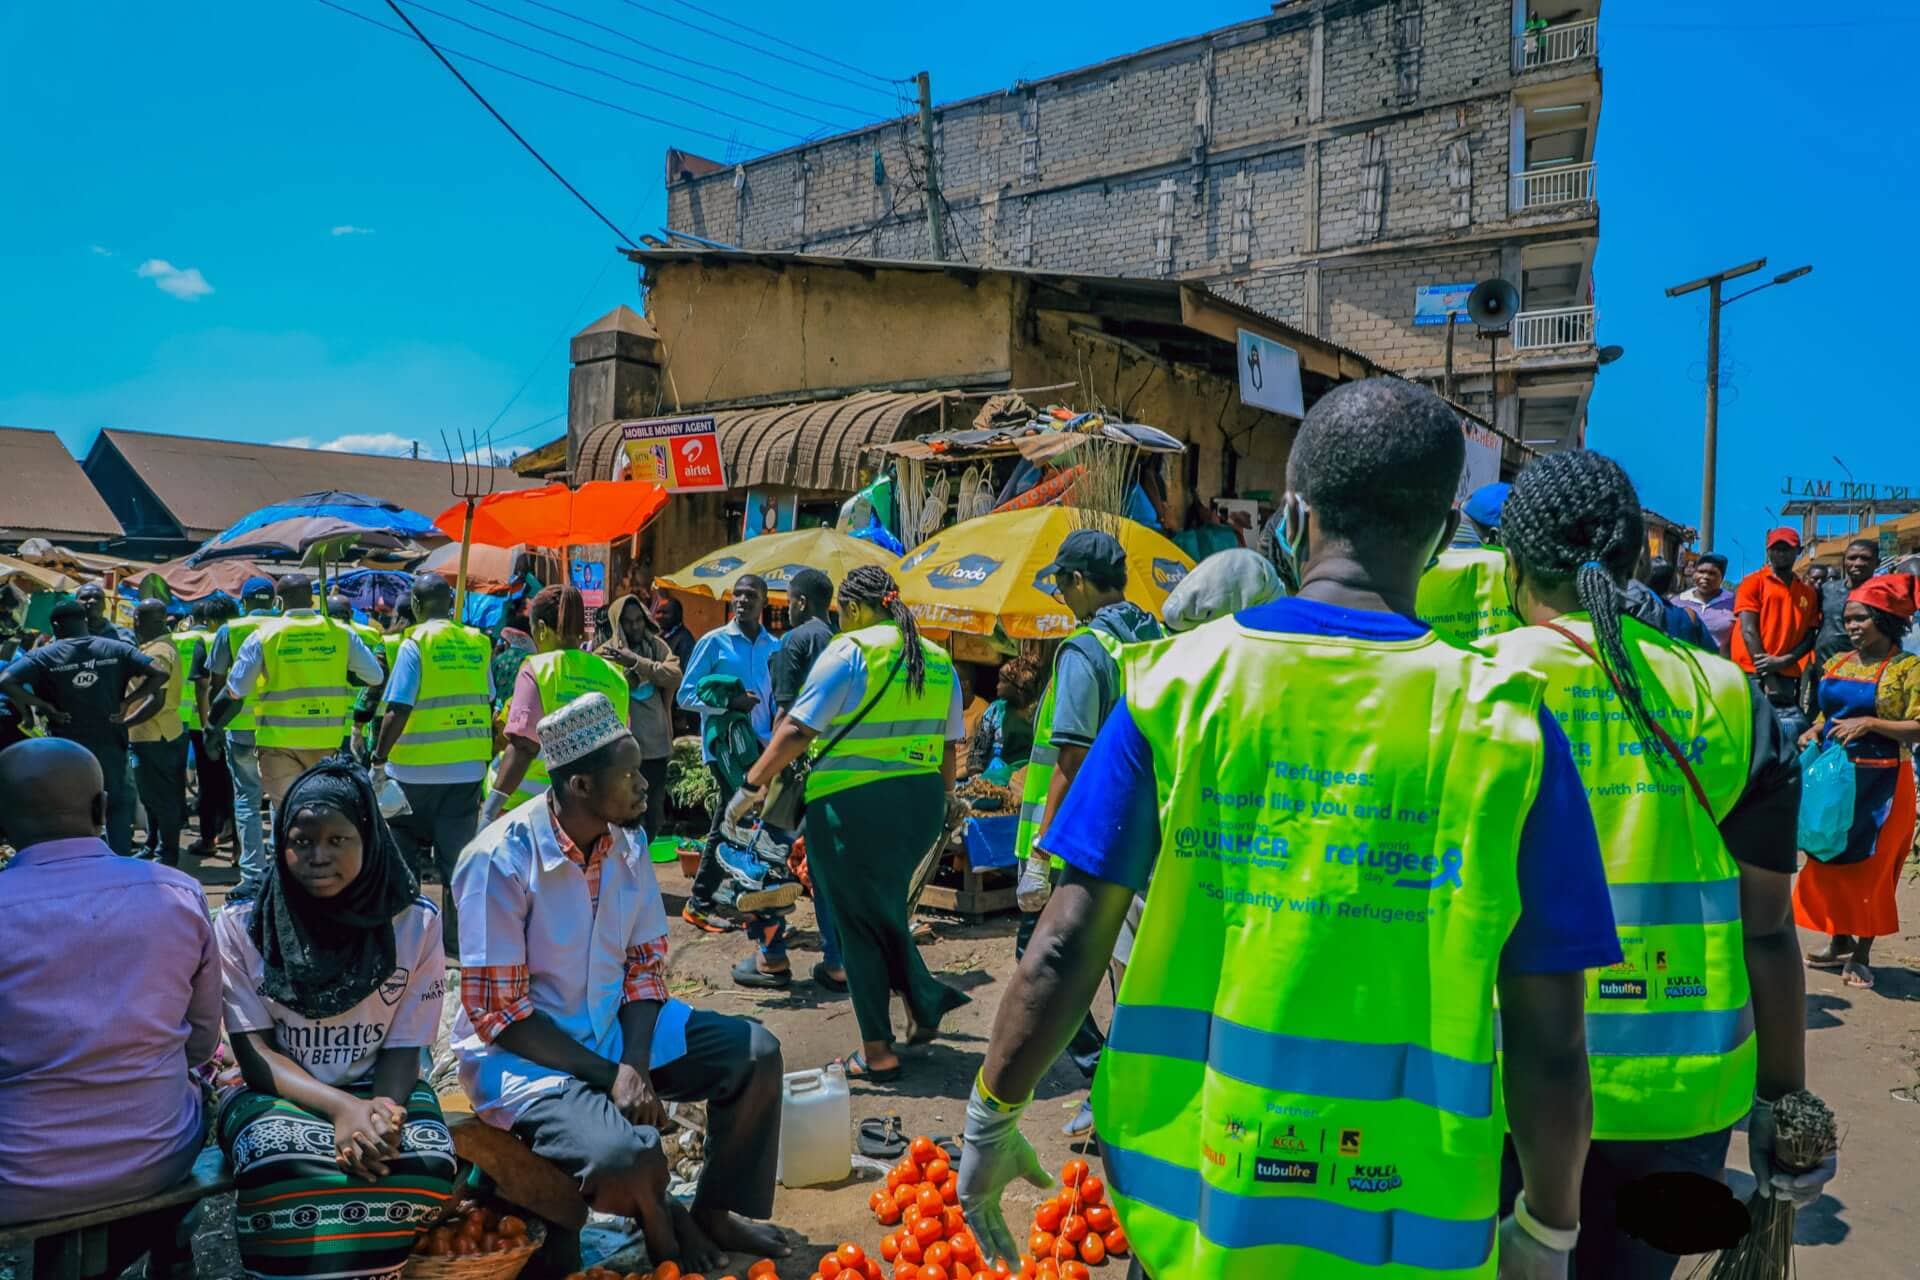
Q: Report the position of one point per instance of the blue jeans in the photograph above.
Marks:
(243, 763)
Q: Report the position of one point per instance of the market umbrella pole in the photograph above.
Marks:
(466, 548)
(466, 483)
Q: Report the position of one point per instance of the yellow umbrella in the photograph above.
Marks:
(987, 572)
(776, 557)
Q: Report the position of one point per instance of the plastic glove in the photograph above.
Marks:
(1802, 1189)
(1036, 884)
(745, 801)
(1524, 1258)
(495, 806)
(992, 1154)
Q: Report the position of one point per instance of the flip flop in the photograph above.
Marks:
(1820, 962)
(918, 1035)
(1857, 975)
(747, 974)
(826, 979)
(881, 1138)
(856, 1068)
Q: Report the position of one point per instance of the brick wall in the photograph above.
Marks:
(1071, 173)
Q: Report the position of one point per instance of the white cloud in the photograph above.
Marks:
(348, 229)
(389, 444)
(100, 250)
(185, 284)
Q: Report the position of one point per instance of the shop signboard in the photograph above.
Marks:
(681, 455)
(1483, 459)
(1270, 375)
(1433, 303)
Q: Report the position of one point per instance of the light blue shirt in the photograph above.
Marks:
(728, 652)
(838, 684)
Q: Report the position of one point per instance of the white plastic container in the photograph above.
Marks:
(816, 1128)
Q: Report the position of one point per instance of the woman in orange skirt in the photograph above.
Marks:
(1870, 703)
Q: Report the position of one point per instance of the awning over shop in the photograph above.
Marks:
(813, 445)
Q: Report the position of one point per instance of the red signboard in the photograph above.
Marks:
(680, 454)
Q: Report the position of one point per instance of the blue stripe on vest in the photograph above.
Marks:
(1668, 1033)
(1367, 1237)
(1644, 905)
(1304, 1064)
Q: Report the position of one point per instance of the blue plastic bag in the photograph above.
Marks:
(1826, 800)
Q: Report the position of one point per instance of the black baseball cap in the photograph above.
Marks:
(1091, 552)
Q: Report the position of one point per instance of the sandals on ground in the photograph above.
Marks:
(855, 1065)
(883, 1139)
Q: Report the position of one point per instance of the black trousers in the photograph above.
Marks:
(711, 873)
(655, 772)
(216, 788)
(444, 818)
(731, 1064)
(160, 774)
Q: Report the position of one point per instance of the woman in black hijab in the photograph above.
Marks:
(334, 978)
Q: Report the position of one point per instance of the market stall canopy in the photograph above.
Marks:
(491, 570)
(329, 518)
(81, 564)
(188, 581)
(775, 557)
(34, 577)
(556, 516)
(987, 573)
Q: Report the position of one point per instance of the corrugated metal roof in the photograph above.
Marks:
(812, 445)
(206, 485)
(44, 491)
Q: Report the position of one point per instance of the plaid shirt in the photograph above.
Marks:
(497, 996)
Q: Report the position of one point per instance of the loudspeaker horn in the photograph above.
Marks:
(1492, 303)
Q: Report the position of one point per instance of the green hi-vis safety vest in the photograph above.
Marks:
(185, 644)
(1040, 765)
(1669, 1029)
(1300, 1077)
(452, 719)
(376, 645)
(902, 734)
(561, 676)
(1464, 596)
(244, 720)
(306, 698)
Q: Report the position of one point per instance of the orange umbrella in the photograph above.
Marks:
(556, 516)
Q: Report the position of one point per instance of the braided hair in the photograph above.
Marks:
(874, 587)
(560, 607)
(1575, 517)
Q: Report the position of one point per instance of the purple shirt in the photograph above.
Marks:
(109, 992)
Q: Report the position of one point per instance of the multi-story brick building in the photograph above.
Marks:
(1333, 163)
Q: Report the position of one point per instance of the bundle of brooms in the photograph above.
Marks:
(1804, 1135)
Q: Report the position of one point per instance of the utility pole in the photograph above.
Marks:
(1711, 446)
(936, 229)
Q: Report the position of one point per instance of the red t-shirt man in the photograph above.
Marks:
(1778, 613)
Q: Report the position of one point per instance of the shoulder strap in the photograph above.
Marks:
(1666, 739)
(872, 702)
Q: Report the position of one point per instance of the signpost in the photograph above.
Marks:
(1433, 303)
(1270, 376)
(681, 455)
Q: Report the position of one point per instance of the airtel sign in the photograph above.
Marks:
(680, 454)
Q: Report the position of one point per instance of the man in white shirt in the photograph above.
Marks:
(566, 1034)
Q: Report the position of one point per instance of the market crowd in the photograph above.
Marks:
(1494, 747)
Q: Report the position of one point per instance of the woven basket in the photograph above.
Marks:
(504, 1265)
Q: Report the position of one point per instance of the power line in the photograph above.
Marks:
(767, 35)
(588, 67)
(533, 80)
(482, 100)
(767, 53)
(859, 113)
(547, 354)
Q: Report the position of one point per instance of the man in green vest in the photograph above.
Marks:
(1695, 788)
(208, 744)
(298, 672)
(1463, 594)
(437, 737)
(1089, 576)
(366, 707)
(1355, 833)
(242, 753)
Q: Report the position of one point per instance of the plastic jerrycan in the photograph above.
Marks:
(816, 1127)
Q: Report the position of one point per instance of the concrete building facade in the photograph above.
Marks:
(1331, 164)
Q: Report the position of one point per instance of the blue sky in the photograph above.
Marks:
(273, 222)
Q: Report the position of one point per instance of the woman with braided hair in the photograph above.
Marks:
(1695, 789)
(879, 718)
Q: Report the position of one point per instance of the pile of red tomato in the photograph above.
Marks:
(1072, 1231)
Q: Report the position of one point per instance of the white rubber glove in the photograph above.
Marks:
(746, 801)
(1802, 1189)
(495, 806)
(992, 1154)
(1524, 1258)
(1036, 884)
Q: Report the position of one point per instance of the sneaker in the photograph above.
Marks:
(705, 921)
(775, 896)
(746, 870)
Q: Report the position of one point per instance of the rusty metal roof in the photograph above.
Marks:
(43, 491)
(811, 445)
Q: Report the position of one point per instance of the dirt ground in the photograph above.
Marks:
(1863, 1057)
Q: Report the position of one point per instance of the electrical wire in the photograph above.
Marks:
(858, 113)
(572, 316)
(478, 61)
(765, 53)
(767, 35)
(775, 130)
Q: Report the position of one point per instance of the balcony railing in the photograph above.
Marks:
(1568, 42)
(1559, 327)
(1562, 184)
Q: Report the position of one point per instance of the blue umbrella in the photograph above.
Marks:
(330, 521)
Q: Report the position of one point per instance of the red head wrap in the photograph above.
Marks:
(1894, 593)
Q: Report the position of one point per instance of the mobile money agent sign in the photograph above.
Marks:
(681, 455)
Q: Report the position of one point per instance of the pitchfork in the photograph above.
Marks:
(466, 479)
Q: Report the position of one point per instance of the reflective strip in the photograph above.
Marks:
(895, 729)
(837, 763)
(473, 732)
(1032, 812)
(450, 700)
(1043, 757)
(1305, 1064)
(330, 719)
(1671, 1034)
(1643, 905)
(1365, 1237)
(294, 695)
